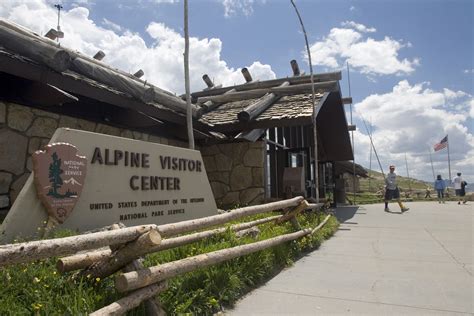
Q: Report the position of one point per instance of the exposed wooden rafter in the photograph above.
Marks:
(256, 108)
(279, 91)
(330, 76)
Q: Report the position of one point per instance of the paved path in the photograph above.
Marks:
(416, 263)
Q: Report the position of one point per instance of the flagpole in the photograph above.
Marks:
(449, 160)
(408, 174)
(431, 160)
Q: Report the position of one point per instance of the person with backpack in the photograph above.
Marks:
(440, 186)
(460, 188)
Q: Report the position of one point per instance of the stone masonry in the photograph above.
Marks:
(23, 130)
(236, 172)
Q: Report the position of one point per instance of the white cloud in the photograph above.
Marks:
(234, 7)
(468, 71)
(162, 61)
(165, 1)
(352, 8)
(115, 27)
(471, 110)
(366, 55)
(411, 119)
(359, 27)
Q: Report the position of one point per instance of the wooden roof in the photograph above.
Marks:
(88, 87)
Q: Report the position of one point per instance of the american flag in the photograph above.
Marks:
(442, 144)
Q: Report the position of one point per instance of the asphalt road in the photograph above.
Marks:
(416, 263)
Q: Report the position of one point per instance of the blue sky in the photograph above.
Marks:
(411, 61)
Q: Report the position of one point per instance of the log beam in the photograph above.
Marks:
(208, 81)
(174, 229)
(291, 214)
(42, 249)
(295, 68)
(121, 257)
(53, 57)
(330, 76)
(246, 74)
(138, 279)
(131, 301)
(259, 106)
(328, 86)
(347, 100)
(80, 261)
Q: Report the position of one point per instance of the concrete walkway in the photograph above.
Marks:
(416, 263)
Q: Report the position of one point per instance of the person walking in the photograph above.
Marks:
(392, 191)
(463, 191)
(440, 186)
(459, 188)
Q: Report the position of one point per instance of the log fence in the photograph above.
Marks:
(101, 254)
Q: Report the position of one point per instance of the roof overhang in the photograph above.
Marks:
(333, 132)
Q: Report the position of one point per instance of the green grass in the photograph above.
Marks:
(36, 288)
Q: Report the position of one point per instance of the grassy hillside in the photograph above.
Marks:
(377, 183)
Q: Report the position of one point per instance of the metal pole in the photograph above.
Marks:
(373, 146)
(189, 111)
(449, 161)
(432, 168)
(408, 174)
(353, 143)
(370, 160)
(315, 133)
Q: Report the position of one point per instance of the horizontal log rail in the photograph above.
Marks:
(174, 229)
(138, 279)
(84, 260)
(131, 301)
(42, 249)
(121, 247)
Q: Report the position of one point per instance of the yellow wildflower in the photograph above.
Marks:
(97, 279)
(37, 306)
(36, 280)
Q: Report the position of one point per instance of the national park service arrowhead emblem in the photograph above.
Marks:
(59, 174)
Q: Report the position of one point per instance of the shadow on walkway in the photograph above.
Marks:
(344, 213)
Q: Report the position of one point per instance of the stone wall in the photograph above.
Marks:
(349, 182)
(236, 172)
(23, 130)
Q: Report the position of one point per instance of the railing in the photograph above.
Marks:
(101, 254)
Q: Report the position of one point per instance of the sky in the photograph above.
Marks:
(411, 63)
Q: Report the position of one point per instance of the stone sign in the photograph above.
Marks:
(129, 181)
(59, 175)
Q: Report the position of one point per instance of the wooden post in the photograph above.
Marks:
(131, 301)
(124, 255)
(42, 249)
(189, 108)
(291, 214)
(137, 279)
